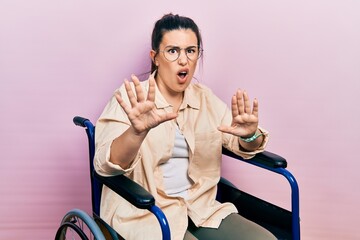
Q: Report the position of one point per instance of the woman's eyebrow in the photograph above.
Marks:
(173, 46)
(176, 46)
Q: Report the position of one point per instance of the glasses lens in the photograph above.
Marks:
(171, 53)
(191, 53)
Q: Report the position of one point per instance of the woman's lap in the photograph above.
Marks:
(233, 227)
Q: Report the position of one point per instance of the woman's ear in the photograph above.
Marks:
(153, 57)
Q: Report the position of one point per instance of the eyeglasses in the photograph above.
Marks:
(172, 53)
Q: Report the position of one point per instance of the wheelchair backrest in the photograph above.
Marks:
(96, 187)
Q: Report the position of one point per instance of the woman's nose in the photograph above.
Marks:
(183, 58)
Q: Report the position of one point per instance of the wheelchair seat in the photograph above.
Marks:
(284, 224)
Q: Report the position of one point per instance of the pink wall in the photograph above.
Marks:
(300, 59)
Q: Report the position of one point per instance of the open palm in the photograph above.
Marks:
(244, 119)
(143, 113)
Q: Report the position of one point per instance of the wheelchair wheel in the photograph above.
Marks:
(69, 230)
(109, 232)
(77, 224)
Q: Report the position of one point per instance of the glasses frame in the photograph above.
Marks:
(180, 49)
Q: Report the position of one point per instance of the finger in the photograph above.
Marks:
(168, 116)
(138, 89)
(240, 101)
(234, 106)
(247, 103)
(122, 103)
(151, 92)
(130, 93)
(255, 111)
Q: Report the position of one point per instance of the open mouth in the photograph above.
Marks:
(182, 74)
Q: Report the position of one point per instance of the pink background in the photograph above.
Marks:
(301, 59)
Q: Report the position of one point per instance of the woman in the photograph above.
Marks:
(166, 133)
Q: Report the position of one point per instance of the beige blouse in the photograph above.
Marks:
(199, 116)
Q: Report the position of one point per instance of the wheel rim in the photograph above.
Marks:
(69, 230)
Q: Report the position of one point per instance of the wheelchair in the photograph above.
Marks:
(284, 224)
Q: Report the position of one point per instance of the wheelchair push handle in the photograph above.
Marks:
(80, 121)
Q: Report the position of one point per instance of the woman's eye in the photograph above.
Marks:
(173, 51)
(191, 51)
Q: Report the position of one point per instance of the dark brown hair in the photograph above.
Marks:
(168, 23)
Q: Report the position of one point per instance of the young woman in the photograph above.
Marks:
(166, 133)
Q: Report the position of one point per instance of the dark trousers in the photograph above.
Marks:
(233, 227)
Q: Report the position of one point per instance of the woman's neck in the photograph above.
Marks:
(173, 98)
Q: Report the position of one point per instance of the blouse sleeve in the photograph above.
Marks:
(111, 124)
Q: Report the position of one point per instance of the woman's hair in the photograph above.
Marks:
(168, 23)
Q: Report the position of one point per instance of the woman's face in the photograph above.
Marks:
(173, 77)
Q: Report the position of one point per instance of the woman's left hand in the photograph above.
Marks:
(244, 119)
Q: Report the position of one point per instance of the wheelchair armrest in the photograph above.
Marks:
(128, 189)
(265, 158)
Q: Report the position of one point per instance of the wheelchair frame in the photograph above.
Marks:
(227, 192)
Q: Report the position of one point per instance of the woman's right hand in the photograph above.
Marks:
(143, 113)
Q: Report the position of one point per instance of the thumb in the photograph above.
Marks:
(168, 117)
(224, 129)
